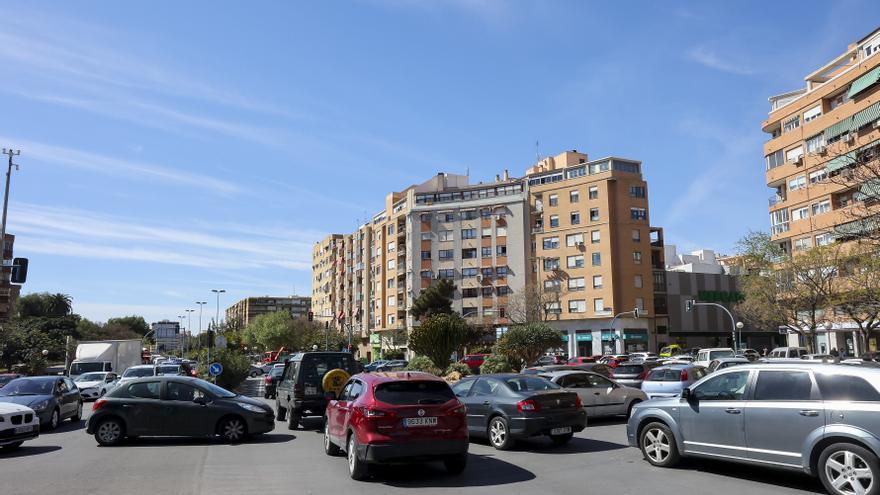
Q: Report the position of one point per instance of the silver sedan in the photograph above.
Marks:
(600, 395)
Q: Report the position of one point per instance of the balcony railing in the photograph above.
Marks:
(775, 199)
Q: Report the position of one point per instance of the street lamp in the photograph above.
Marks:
(739, 326)
(189, 313)
(218, 292)
(181, 317)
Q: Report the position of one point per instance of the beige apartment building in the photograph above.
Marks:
(493, 240)
(246, 310)
(817, 134)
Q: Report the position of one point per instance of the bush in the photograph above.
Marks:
(422, 363)
(460, 368)
(524, 344)
(236, 367)
(392, 355)
(496, 364)
(439, 336)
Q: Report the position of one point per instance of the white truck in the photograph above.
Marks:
(105, 355)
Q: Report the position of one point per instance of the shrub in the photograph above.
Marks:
(392, 355)
(422, 363)
(524, 344)
(439, 336)
(236, 367)
(496, 363)
(460, 368)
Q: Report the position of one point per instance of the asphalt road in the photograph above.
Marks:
(596, 461)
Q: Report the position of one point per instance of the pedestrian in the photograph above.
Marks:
(764, 352)
(834, 352)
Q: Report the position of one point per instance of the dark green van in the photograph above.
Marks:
(299, 392)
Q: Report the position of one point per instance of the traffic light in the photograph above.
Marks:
(19, 270)
(689, 305)
(311, 316)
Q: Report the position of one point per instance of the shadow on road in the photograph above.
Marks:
(25, 451)
(64, 427)
(195, 442)
(606, 421)
(482, 470)
(543, 445)
(758, 474)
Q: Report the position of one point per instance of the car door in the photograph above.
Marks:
(62, 396)
(603, 389)
(480, 401)
(784, 409)
(337, 412)
(712, 418)
(186, 411)
(579, 384)
(143, 409)
(71, 396)
(356, 390)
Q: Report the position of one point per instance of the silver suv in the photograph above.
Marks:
(823, 419)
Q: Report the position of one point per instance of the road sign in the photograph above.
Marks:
(220, 341)
(215, 369)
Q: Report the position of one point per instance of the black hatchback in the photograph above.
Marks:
(176, 406)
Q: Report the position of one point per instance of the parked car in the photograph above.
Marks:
(170, 370)
(582, 360)
(139, 371)
(721, 363)
(750, 354)
(53, 398)
(819, 357)
(632, 374)
(818, 419)
(18, 424)
(507, 407)
(870, 356)
(270, 382)
(669, 380)
(95, 383)
(267, 367)
(614, 361)
(375, 364)
(706, 356)
(550, 360)
(8, 377)
(255, 371)
(787, 352)
(393, 365)
(474, 361)
(396, 418)
(681, 358)
(602, 369)
(600, 396)
(176, 406)
(670, 350)
(300, 392)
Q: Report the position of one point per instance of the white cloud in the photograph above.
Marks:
(708, 58)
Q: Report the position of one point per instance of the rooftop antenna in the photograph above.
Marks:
(537, 155)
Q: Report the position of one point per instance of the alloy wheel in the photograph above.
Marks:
(233, 430)
(109, 432)
(656, 445)
(53, 422)
(351, 454)
(848, 473)
(497, 433)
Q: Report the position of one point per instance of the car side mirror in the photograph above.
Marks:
(200, 401)
(687, 395)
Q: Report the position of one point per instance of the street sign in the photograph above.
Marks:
(215, 369)
(220, 341)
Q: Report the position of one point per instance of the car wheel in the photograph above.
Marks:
(561, 439)
(292, 420)
(629, 410)
(658, 445)
(12, 446)
(54, 419)
(280, 412)
(357, 468)
(109, 432)
(330, 448)
(455, 464)
(499, 434)
(233, 430)
(79, 413)
(848, 469)
(254, 374)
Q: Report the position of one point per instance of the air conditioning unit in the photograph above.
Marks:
(822, 150)
(849, 137)
(875, 124)
(799, 160)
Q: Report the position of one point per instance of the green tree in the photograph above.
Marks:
(422, 363)
(436, 299)
(136, 324)
(44, 304)
(496, 363)
(524, 344)
(90, 330)
(439, 336)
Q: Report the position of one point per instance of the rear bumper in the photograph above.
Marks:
(314, 407)
(541, 425)
(419, 451)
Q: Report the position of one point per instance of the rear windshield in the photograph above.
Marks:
(315, 366)
(528, 383)
(170, 370)
(139, 372)
(664, 375)
(629, 369)
(414, 392)
(720, 354)
(276, 372)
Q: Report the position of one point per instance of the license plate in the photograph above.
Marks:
(420, 422)
(311, 390)
(24, 429)
(561, 431)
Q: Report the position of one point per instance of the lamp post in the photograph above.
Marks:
(614, 336)
(828, 326)
(181, 318)
(217, 319)
(189, 313)
(201, 307)
(739, 326)
(689, 305)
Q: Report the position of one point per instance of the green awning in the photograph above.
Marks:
(866, 116)
(857, 228)
(838, 129)
(840, 162)
(870, 189)
(865, 82)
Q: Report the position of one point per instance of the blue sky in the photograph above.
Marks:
(169, 148)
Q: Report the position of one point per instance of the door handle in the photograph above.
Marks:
(597, 393)
(809, 412)
(486, 403)
(732, 410)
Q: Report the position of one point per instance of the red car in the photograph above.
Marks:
(396, 417)
(474, 361)
(581, 360)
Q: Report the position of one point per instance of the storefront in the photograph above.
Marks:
(635, 340)
(583, 343)
(609, 340)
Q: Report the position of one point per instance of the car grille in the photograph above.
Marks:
(16, 420)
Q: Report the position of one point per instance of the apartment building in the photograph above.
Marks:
(323, 277)
(244, 311)
(594, 252)
(817, 134)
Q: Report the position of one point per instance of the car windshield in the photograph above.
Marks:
(414, 392)
(80, 368)
(90, 377)
(5, 379)
(720, 354)
(218, 391)
(169, 370)
(139, 372)
(26, 386)
(629, 369)
(529, 383)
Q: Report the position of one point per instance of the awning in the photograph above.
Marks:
(857, 228)
(864, 82)
(838, 129)
(870, 189)
(866, 116)
(840, 162)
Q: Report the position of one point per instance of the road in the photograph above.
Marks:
(596, 461)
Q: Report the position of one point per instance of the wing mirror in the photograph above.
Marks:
(200, 401)
(687, 395)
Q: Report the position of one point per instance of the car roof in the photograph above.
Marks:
(716, 349)
(558, 373)
(397, 376)
(676, 366)
(42, 378)
(732, 360)
(143, 366)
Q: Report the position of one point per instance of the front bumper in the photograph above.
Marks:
(417, 451)
(8, 435)
(261, 423)
(541, 425)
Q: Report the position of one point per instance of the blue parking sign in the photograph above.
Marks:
(215, 369)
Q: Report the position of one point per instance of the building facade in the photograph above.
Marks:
(167, 335)
(244, 311)
(9, 292)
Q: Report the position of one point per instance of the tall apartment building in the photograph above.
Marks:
(244, 311)
(495, 239)
(816, 133)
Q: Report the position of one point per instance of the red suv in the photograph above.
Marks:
(474, 361)
(396, 417)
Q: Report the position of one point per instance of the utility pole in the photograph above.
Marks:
(11, 153)
(189, 313)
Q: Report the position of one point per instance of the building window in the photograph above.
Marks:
(485, 212)
(576, 284)
(573, 240)
(640, 303)
(794, 154)
(471, 292)
(574, 196)
(576, 261)
(553, 200)
(468, 312)
(551, 242)
(486, 252)
(597, 281)
(501, 231)
(597, 259)
(813, 113)
(501, 250)
(637, 281)
(552, 285)
(821, 207)
(637, 235)
(575, 218)
(503, 290)
(391, 230)
(637, 191)
(488, 272)
(818, 176)
(791, 124)
(593, 192)
(445, 254)
(551, 264)
(426, 255)
(594, 214)
(391, 247)
(599, 305)
(824, 239)
(425, 217)
(469, 214)
(837, 100)
(426, 236)
(802, 244)
(501, 271)
(638, 213)
(468, 254)
(814, 143)
(390, 283)
(468, 233)
(427, 274)
(595, 237)
(447, 273)
(775, 159)
(554, 220)
(488, 291)
(637, 257)
(446, 235)
(486, 232)
(391, 264)
(779, 221)
(391, 320)
(800, 213)
(552, 307)
(577, 306)
(469, 272)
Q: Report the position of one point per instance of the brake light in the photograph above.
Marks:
(267, 380)
(577, 402)
(528, 405)
(459, 410)
(643, 375)
(684, 375)
(98, 404)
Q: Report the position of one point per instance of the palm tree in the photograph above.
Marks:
(58, 305)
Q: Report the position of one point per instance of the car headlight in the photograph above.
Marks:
(39, 406)
(252, 408)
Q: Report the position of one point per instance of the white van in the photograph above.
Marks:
(788, 352)
(706, 356)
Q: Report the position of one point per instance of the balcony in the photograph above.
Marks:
(779, 228)
(775, 199)
(537, 229)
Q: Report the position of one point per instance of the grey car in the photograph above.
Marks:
(600, 396)
(821, 419)
(633, 373)
(721, 363)
(669, 380)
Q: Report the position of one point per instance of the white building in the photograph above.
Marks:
(699, 261)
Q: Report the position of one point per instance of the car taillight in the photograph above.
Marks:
(684, 375)
(267, 380)
(98, 404)
(527, 405)
(298, 390)
(643, 375)
(376, 413)
(459, 410)
(577, 402)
